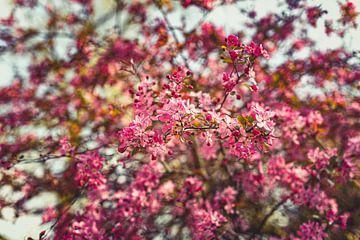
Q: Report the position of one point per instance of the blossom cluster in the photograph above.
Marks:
(146, 129)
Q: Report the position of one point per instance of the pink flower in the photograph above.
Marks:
(89, 168)
(49, 215)
(204, 223)
(312, 231)
(349, 14)
(313, 13)
(226, 199)
(167, 189)
(343, 220)
(262, 116)
(228, 82)
(256, 50)
(233, 55)
(314, 118)
(193, 185)
(233, 40)
(65, 146)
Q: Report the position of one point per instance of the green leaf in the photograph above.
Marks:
(250, 119)
(227, 60)
(242, 120)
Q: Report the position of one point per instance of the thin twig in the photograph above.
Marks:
(73, 201)
(267, 216)
(239, 76)
(173, 33)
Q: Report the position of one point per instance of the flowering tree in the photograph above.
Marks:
(147, 128)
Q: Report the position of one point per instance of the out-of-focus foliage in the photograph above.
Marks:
(147, 127)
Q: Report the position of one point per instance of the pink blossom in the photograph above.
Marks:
(89, 170)
(232, 40)
(312, 231)
(49, 215)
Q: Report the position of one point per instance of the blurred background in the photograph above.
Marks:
(229, 17)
